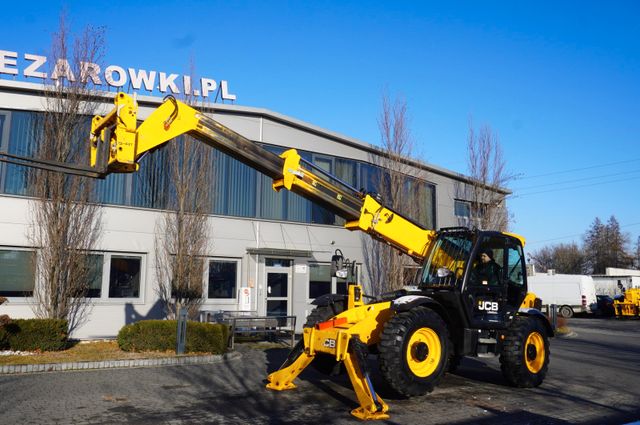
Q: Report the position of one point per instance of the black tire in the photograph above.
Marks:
(525, 353)
(322, 362)
(414, 351)
(454, 362)
(565, 311)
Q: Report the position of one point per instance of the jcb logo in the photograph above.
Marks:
(488, 306)
(329, 343)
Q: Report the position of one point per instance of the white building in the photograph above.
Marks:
(270, 251)
(614, 279)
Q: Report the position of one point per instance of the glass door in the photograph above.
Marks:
(278, 277)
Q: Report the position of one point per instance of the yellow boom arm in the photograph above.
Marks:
(118, 143)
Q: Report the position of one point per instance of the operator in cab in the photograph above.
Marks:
(487, 271)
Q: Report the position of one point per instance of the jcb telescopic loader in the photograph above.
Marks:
(454, 310)
(628, 305)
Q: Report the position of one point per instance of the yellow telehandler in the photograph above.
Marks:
(628, 305)
(458, 307)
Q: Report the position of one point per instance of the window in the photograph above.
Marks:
(223, 279)
(236, 189)
(5, 118)
(17, 274)
(488, 266)
(320, 214)
(150, 186)
(277, 262)
(95, 265)
(239, 186)
(124, 276)
(370, 178)
(319, 280)
(422, 194)
(346, 171)
(21, 129)
(462, 209)
(516, 269)
(113, 276)
(447, 256)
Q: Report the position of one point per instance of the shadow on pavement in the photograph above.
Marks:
(233, 392)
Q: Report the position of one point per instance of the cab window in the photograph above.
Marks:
(516, 267)
(488, 264)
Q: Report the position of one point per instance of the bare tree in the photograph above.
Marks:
(182, 235)
(488, 173)
(66, 223)
(387, 269)
(563, 258)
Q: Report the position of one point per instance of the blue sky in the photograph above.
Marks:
(559, 82)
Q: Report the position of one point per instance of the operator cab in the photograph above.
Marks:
(487, 268)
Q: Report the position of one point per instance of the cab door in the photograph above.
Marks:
(486, 300)
(516, 275)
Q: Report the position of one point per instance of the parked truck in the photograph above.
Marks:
(570, 293)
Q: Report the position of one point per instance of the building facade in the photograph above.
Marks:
(615, 281)
(269, 253)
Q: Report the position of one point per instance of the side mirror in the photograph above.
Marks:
(444, 272)
(341, 267)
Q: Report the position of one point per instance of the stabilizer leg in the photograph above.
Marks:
(298, 360)
(371, 405)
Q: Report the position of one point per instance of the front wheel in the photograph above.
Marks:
(525, 353)
(414, 351)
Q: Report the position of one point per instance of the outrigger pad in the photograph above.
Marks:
(365, 415)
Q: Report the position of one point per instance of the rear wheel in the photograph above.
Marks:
(525, 354)
(565, 311)
(414, 350)
(325, 363)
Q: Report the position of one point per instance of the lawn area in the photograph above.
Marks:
(83, 352)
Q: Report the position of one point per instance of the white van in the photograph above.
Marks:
(571, 293)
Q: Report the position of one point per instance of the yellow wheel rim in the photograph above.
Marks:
(534, 352)
(424, 352)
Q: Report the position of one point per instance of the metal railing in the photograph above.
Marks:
(249, 323)
(273, 326)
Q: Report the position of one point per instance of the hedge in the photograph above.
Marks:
(160, 335)
(34, 334)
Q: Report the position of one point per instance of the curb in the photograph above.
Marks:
(117, 364)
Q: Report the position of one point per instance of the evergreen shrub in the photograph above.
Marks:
(34, 335)
(160, 335)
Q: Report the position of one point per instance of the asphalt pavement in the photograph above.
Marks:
(593, 379)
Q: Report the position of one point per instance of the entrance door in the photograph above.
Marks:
(278, 278)
(496, 288)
